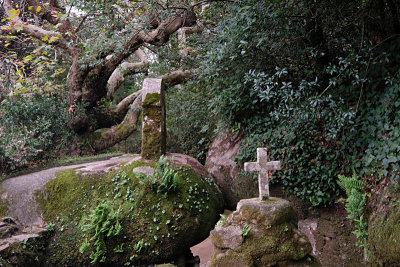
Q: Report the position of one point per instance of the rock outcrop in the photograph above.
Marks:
(384, 226)
(233, 182)
(21, 246)
(260, 233)
(122, 216)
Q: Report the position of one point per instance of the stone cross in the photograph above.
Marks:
(262, 166)
(153, 119)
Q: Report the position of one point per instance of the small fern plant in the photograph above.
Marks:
(165, 178)
(101, 224)
(354, 205)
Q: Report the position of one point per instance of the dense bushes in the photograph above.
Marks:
(189, 122)
(311, 83)
(29, 129)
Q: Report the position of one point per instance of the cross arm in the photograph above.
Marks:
(274, 165)
(251, 166)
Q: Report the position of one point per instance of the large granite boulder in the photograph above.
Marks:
(233, 182)
(121, 217)
(260, 233)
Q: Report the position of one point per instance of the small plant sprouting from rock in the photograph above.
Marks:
(102, 223)
(221, 220)
(246, 230)
(50, 227)
(165, 178)
(138, 246)
(119, 249)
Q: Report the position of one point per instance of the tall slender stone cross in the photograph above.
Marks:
(262, 166)
(153, 119)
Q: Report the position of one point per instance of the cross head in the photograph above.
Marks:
(262, 166)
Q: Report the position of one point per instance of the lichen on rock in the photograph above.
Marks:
(260, 233)
(384, 226)
(153, 118)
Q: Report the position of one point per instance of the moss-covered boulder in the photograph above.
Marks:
(384, 226)
(21, 245)
(260, 233)
(126, 218)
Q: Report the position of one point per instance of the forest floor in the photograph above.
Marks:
(334, 242)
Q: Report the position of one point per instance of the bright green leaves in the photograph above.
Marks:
(13, 14)
(355, 203)
(164, 179)
(103, 223)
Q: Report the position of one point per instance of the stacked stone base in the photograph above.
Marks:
(260, 233)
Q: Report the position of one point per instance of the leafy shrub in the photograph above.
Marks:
(380, 126)
(311, 91)
(189, 123)
(29, 127)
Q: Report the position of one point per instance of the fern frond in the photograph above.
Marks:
(350, 183)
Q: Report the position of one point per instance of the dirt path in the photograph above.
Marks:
(19, 191)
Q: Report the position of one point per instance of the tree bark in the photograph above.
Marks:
(105, 138)
(126, 68)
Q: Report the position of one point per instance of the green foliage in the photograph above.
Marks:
(246, 230)
(189, 121)
(164, 179)
(310, 90)
(381, 128)
(30, 128)
(355, 203)
(103, 223)
(348, 184)
(221, 220)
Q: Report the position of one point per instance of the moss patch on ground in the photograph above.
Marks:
(384, 233)
(155, 227)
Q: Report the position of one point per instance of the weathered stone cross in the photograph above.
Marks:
(153, 119)
(262, 166)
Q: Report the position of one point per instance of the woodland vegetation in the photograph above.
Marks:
(317, 82)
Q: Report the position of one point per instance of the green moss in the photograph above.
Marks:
(30, 252)
(384, 236)
(233, 259)
(153, 142)
(167, 224)
(152, 99)
(267, 247)
(3, 204)
(283, 214)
